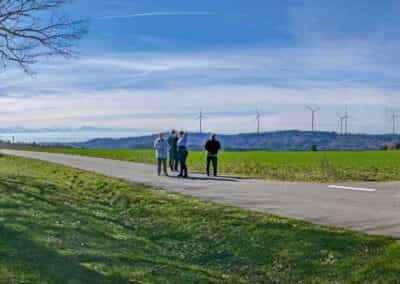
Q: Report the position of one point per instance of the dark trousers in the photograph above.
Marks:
(214, 161)
(183, 154)
(162, 163)
(173, 160)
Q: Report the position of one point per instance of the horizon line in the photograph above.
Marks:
(22, 130)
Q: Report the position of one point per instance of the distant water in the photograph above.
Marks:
(64, 136)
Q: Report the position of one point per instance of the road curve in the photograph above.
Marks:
(373, 212)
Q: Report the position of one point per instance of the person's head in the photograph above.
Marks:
(173, 132)
(161, 136)
(181, 133)
(213, 136)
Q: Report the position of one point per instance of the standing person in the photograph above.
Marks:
(161, 147)
(173, 151)
(183, 153)
(212, 147)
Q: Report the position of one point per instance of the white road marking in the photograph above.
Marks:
(352, 188)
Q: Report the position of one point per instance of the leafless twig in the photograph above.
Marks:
(30, 29)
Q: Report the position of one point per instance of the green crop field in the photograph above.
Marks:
(60, 225)
(292, 166)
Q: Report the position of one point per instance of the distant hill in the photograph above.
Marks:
(277, 141)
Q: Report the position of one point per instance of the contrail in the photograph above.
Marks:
(154, 14)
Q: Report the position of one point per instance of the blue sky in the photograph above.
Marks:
(151, 65)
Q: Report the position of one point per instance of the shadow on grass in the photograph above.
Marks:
(48, 265)
(66, 236)
(88, 243)
(21, 254)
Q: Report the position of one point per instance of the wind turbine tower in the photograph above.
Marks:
(258, 118)
(345, 117)
(313, 111)
(394, 118)
(342, 118)
(200, 118)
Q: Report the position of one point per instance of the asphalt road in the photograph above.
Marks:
(372, 208)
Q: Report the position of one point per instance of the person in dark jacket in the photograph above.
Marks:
(212, 147)
(183, 153)
(173, 151)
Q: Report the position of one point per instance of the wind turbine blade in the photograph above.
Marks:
(310, 108)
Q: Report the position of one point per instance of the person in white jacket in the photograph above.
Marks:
(161, 146)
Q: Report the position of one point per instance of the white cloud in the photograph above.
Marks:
(158, 91)
(159, 14)
(164, 109)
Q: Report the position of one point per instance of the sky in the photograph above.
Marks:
(150, 66)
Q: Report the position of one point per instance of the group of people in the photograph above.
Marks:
(175, 150)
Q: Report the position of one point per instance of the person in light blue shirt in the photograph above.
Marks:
(161, 146)
(183, 152)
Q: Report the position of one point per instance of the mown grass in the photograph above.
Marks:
(292, 166)
(60, 225)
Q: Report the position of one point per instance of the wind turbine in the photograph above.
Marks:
(345, 118)
(394, 118)
(313, 111)
(258, 118)
(342, 118)
(200, 118)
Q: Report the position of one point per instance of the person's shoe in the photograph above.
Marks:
(179, 175)
(166, 174)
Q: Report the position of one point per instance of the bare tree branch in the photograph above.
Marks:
(30, 29)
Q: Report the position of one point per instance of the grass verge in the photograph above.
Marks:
(332, 166)
(60, 225)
